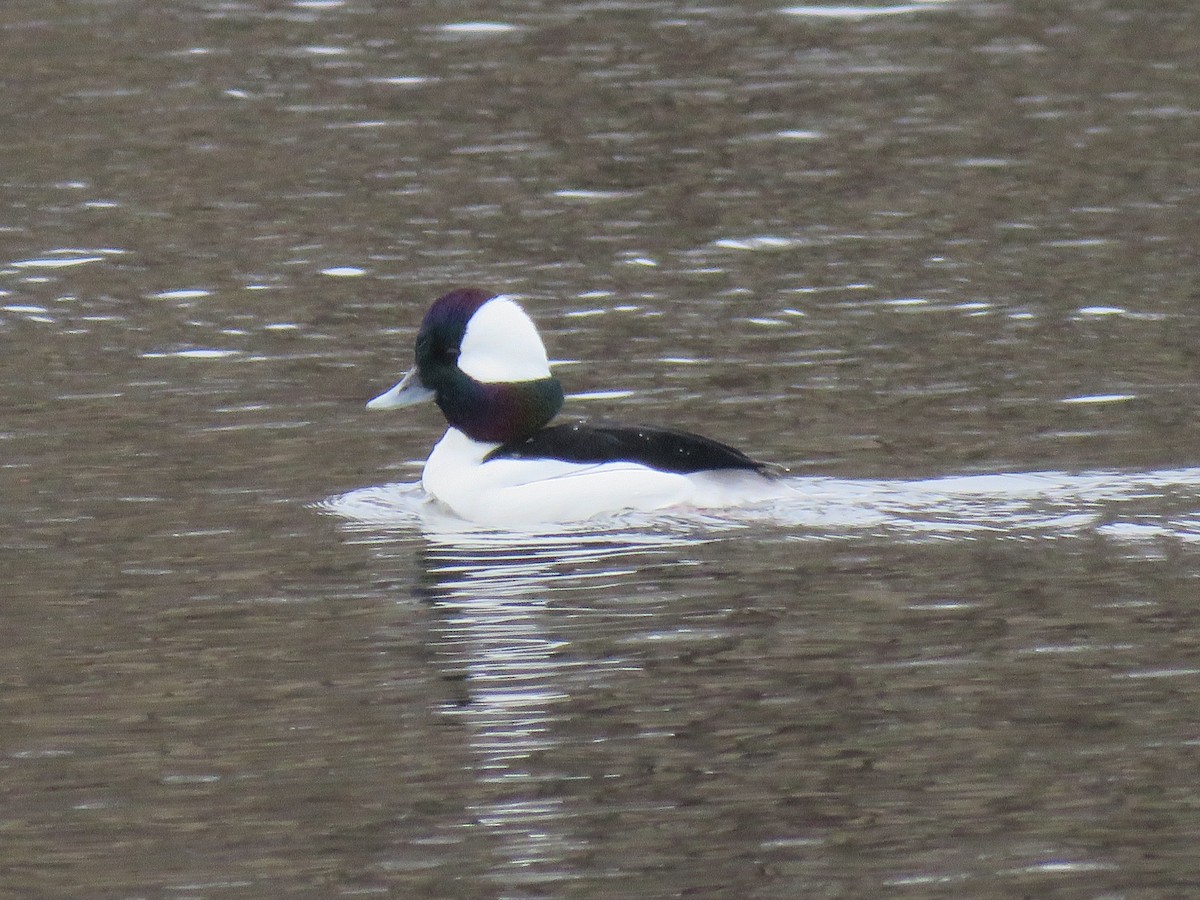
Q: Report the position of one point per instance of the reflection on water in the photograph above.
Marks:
(518, 615)
(742, 700)
(490, 592)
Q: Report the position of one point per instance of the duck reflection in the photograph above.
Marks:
(527, 622)
(510, 620)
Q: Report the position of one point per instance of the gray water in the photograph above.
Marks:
(939, 259)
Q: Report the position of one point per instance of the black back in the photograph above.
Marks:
(659, 448)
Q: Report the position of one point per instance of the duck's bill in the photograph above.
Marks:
(408, 392)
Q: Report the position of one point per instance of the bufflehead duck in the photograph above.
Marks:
(480, 358)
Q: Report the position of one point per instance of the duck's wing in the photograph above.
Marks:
(659, 448)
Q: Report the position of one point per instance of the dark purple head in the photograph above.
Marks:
(446, 320)
(481, 357)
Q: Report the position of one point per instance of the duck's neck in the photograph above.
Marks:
(502, 411)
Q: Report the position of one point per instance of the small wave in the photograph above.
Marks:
(856, 13)
(1129, 506)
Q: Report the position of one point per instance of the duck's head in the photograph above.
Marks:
(480, 358)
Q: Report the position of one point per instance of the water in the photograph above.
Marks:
(936, 258)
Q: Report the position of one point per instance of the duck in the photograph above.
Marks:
(501, 461)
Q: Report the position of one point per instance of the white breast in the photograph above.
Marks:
(515, 492)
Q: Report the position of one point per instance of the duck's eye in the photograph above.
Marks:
(451, 353)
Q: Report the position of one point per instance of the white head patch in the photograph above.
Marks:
(502, 344)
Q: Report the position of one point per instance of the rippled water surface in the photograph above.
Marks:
(936, 257)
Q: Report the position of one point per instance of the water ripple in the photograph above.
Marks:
(855, 13)
(1124, 506)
